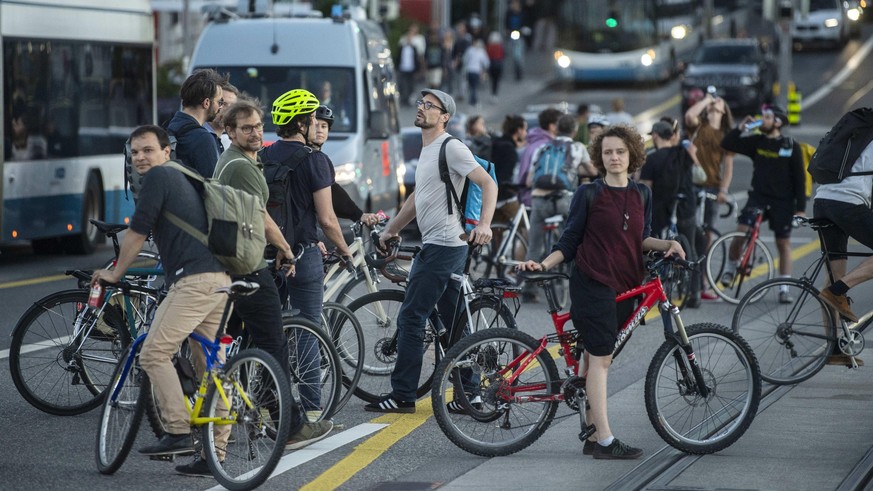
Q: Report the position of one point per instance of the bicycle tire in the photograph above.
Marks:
(702, 425)
(348, 339)
(257, 439)
(676, 280)
(380, 351)
(123, 414)
(786, 338)
(315, 366)
(489, 351)
(50, 372)
(716, 260)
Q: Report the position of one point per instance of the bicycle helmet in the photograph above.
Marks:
(326, 114)
(292, 103)
(777, 111)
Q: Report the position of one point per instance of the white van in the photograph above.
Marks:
(826, 22)
(346, 63)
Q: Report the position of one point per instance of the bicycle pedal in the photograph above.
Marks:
(586, 433)
(164, 457)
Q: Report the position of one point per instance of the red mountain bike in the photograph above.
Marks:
(702, 387)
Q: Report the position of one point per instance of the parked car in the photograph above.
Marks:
(742, 72)
(826, 23)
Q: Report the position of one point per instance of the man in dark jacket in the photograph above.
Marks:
(196, 146)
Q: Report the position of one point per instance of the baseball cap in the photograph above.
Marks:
(662, 129)
(445, 99)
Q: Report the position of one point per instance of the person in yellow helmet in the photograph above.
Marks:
(309, 204)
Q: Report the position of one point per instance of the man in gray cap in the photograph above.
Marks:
(443, 252)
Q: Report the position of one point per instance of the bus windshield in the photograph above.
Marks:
(595, 26)
(334, 87)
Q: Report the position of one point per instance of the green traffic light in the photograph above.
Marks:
(611, 22)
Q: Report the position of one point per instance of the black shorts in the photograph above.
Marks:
(779, 213)
(596, 314)
(851, 220)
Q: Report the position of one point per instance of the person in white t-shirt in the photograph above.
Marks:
(443, 251)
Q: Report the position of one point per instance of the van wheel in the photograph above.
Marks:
(92, 207)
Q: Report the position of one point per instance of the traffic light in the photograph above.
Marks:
(612, 20)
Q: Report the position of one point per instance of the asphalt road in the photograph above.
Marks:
(48, 452)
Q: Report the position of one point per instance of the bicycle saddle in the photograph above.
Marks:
(540, 276)
(108, 228)
(239, 288)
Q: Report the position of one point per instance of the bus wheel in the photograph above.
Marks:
(92, 207)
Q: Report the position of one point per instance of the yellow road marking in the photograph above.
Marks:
(33, 281)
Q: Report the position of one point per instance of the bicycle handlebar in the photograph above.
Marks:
(658, 259)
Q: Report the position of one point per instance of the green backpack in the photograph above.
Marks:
(236, 224)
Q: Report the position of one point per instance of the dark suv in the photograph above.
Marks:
(740, 70)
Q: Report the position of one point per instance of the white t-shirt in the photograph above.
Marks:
(436, 225)
(854, 190)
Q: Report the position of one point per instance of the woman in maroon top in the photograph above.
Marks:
(606, 244)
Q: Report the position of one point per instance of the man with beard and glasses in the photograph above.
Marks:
(201, 96)
(443, 251)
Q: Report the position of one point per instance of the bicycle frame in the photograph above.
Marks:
(521, 218)
(653, 294)
(337, 275)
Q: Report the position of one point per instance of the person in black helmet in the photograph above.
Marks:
(778, 185)
(343, 204)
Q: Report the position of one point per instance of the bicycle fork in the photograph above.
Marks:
(692, 382)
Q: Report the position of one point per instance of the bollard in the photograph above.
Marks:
(794, 105)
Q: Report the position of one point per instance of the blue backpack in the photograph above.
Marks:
(553, 168)
(471, 196)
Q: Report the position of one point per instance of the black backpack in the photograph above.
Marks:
(278, 176)
(841, 146)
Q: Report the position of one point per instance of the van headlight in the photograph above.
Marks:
(748, 80)
(347, 173)
(831, 23)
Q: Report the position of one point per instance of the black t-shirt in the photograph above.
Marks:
(505, 158)
(669, 169)
(316, 172)
(182, 255)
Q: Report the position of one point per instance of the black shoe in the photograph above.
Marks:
(170, 445)
(196, 468)
(692, 303)
(388, 404)
(456, 407)
(617, 450)
(588, 448)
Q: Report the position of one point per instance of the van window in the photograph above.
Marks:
(334, 87)
(380, 82)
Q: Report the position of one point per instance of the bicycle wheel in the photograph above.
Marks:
(516, 404)
(791, 341)
(684, 418)
(377, 313)
(676, 280)
(121, 414)
(352, 289)
(63, 353)
(759, 268)
(348, 339)
(244, 455)
(315, 367)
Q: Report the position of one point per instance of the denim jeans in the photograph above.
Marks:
(430, 285)
(262, 314)
(306, 292)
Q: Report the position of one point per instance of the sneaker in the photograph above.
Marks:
(196, 468)
(388, 404)
(170, 445)
(708, 295)
(309, 434)
(727, 278)
(456, 407)
(844, 360)
(785, 297)
(588, 447)
(313, 414)
(617, 450)
(840, 303)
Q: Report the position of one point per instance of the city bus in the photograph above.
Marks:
(78, 77)
(627, 41)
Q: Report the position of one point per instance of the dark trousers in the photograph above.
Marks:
(262, 314)
(430, 285)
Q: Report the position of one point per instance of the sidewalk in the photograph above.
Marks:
(811, 438)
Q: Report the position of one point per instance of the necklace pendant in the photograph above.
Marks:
(624, 225)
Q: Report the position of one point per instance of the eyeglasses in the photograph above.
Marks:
(247, 129)
(429, 105)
